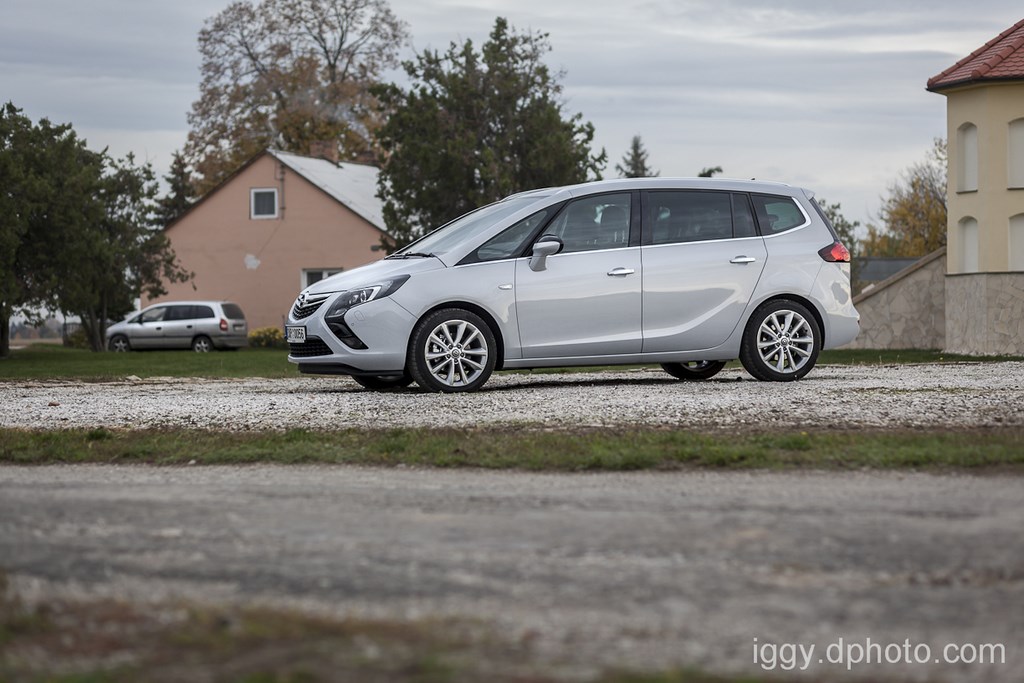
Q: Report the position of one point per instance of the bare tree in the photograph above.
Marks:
(285, 74)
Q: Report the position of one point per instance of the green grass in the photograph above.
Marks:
(524, 449)
(43, 361)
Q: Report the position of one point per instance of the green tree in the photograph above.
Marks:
(634, 163)
(180, 193)
(474, 127)
(709, 172)
(77, 232)
(285, 74)
(913, 215)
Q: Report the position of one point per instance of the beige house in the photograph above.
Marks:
(985, 240)
(968, 297)
(278, 224)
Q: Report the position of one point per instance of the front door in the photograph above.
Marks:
(587, 300)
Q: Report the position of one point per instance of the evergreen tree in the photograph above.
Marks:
(634, 163)
(473, 127)
(180, 194)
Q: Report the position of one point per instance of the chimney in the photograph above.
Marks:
(324, 149)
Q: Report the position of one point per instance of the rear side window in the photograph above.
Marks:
(201, 312)
(232, 311)
(777, 214)
(675, 217)
(178, 313)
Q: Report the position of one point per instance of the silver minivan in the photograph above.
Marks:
(685, 273)
(198, 325)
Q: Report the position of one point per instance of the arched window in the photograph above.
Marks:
(1017, 242)
(968, 245)
(1015, 154)
(967, 151)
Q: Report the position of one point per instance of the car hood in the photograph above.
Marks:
(374, 273)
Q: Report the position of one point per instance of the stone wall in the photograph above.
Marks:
(906, 311)
(985, 314)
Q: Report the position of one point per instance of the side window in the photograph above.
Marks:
(510, 241)
(202, 312)
(689, 216)
(777, 214)
(178, 313)
(154, 315)
(591, 223)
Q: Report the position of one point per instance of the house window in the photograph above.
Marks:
(967, 150)
(968, 245)
(263, 203)
(314, 275)
(1015, 155)
(1017, 242)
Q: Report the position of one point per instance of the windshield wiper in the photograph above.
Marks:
(413, 254)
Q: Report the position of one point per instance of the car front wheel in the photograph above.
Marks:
(781, 342)
(694, 370)
(452, 350)
(119, 343)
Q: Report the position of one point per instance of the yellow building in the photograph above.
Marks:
(985, 243)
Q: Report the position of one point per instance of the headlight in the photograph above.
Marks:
(355, 297)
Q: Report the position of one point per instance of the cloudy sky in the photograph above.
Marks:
(828, 94)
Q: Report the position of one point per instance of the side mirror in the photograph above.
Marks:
(547, 245)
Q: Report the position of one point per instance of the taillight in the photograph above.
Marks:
(224, 323)
(835, 253)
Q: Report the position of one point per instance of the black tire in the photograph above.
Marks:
(382, 383)
(452, 350)
(202, 344)
(119, 344)
(781, 342)
(694, 370)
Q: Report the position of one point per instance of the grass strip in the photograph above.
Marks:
(526, 449)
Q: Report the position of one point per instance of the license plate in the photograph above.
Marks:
(295, 335)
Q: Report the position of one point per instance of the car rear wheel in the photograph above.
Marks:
(781, 342)
(452, 350)
(694, 370)
(119, 343)
(202, 344)
(382, 383)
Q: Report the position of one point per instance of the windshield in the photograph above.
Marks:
(466, 227)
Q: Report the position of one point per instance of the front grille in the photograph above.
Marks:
(313, 346)
(308, 308)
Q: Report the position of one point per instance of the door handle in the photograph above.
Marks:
(743, 259)
(620, 272)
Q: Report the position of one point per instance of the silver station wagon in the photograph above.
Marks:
(198, 325)
(685, 273)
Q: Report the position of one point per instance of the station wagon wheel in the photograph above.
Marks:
(202, 344)
(694, 370)
(383, 382)
(119, 343)
(452, 350)
(781, 342)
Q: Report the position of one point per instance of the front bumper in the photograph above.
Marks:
(382, 325)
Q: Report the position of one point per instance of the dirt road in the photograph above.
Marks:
(648, 569)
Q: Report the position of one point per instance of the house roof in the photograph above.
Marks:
(354, 185)
(1000, 59)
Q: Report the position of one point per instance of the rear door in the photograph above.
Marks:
(586, 302)
(702, 258)
(179, 326)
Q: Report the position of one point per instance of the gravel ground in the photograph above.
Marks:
(960, 395)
